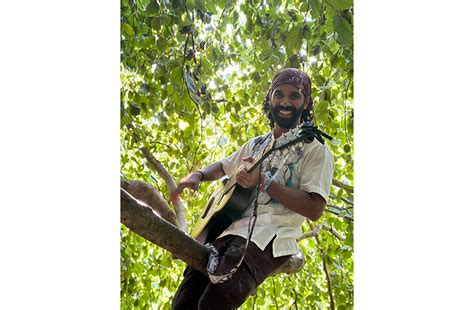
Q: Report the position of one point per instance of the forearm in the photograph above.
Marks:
(301, 202)
(212, 172)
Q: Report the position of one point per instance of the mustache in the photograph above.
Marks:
(290, 109)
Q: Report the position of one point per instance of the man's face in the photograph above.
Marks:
(287, 105)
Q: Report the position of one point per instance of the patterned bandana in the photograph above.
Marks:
(293, 77)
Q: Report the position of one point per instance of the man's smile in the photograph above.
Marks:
(285, 113)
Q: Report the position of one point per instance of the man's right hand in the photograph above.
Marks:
(191, 181)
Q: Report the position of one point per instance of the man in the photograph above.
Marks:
(293, 183)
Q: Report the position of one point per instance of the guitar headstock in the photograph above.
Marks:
(305, 132)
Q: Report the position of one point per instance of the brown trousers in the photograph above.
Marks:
(197, 292)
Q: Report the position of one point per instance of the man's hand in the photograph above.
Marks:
(245, 179)
(191, 181)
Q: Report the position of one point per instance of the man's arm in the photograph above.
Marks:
(309, 205)
(212, 172)
(209, 173)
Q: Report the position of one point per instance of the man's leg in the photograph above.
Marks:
(256, 267)
(194, 283)
(230, 294)
(190, 290)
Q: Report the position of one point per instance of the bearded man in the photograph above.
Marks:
(293, 184)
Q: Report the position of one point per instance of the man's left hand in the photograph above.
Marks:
(245, 179)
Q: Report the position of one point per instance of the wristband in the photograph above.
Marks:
(269, 181)
(202, 174)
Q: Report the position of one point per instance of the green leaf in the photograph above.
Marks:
(343, 29)
(235, 17)
(190, 83)
(176, 3)
(128, 29)
(153, 8)
(161, 44)
(201, 6)
(134, 110)
(340, 4)
(156, 23)
(316, 8)
(190, 4)
(207, 107)
(176, 75)
(293, 40)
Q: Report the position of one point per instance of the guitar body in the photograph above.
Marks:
(226, 205)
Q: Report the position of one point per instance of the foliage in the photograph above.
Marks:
(194, 74)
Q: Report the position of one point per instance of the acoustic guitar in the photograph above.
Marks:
(230, 200)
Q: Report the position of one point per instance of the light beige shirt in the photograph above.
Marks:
(304, 166)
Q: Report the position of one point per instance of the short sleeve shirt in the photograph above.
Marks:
(305, 166)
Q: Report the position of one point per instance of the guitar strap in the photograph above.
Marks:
(260, 141)
(220, 276)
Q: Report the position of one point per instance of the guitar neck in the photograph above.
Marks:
(259, 161)
(270, 150)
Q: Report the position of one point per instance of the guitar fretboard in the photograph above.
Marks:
(288, 138)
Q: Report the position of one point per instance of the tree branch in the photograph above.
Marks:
(345, 187)
(347, 217)
(200, 119)
(293, 265)
(328, 279)
(142, 220)
(166, 176)
(315, 232)
(151, 196)
(339, 208)
(326, 271)
(274, 294)
(223, 10)
(343, 199)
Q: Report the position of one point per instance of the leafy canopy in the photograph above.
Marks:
(194, 74)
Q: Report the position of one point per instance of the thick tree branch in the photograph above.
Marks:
(141, 219)
(294, 264)
(144, 221)
(151, 196)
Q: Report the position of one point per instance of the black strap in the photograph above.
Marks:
(260, 141)
(214, 258)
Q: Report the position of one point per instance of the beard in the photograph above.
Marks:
(286, 122)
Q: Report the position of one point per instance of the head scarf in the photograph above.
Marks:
(293, 77)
